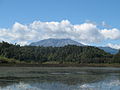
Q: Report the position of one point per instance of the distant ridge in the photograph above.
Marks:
(63, 42)
(109, 50)
(55, 42)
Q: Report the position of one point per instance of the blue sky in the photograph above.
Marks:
(75, 11)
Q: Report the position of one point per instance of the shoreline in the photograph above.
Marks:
(60, 65)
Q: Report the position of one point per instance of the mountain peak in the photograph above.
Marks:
(56, 42)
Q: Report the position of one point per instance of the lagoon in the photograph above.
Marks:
(59, 78)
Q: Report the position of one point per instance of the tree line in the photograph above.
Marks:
(69, 53)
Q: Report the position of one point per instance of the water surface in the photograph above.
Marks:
(59, 78)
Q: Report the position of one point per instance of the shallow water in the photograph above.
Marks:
(59, 78)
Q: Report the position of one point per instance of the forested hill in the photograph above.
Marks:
(70, 53)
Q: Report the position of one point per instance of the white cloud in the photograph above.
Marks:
(115, 46)
(111, 34)
(86, 32)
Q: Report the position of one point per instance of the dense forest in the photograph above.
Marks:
(70, 53)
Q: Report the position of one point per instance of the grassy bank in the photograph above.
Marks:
(59, 65)
(17, 63)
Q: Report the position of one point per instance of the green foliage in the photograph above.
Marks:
(8, 60)
(116, 58)
(69, 53)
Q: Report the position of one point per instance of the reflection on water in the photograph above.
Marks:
(38, 78)
(111, 85)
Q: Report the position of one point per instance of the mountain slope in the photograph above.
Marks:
(63, 42)
(109, 50)
(55, 42)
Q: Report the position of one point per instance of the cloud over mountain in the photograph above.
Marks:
(115, 46)
(86, 32)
